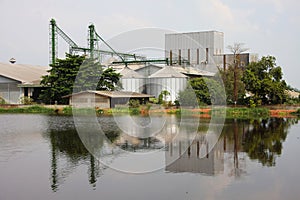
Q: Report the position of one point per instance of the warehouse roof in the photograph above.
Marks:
(113, 94)
(26, 74)
(126, 72)
(193, 71)
(167, 72)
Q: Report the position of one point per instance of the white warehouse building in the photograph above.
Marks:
(18, 80)
(198, 49)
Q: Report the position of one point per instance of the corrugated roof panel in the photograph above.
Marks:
(24, 73)
(129, 73)
(167, 72)
(114, 94)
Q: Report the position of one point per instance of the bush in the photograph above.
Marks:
(134, 103)
(2, 101)
(134, 111)
(67, 110)
(26, 100)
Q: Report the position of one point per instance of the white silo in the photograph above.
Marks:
(166, 79)
(132, 81)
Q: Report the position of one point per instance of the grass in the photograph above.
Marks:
(243, 113)
(29, 109)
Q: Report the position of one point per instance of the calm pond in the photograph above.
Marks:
(54, 157)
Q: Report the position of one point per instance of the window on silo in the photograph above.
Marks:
(189, 56)
(171, 57)
(198, 56)
(179, 56)
(206, 55)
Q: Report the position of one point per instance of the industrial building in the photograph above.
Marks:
(153, 79)
(17, 80)
(201, 50)
(187, 55)
(198, 49)
(105, 99)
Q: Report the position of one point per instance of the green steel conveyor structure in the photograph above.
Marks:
(93, 39)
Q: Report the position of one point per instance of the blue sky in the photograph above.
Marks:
(267, 27)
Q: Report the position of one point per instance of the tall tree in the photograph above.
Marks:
(88, 73)
(236, 49)
(228, 80)
(264, 80)
(92, 76)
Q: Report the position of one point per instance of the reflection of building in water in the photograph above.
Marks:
(195, 157)
(144, 133)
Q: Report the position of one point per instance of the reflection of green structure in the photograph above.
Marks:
(68, 149)
(67, 143)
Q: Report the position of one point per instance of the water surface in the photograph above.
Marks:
(43, 157)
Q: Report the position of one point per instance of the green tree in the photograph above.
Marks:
(264, 80)
(92, 76)
(59, 82)
(228, 80)
(207, 91)
(62, 75)
(187, 97)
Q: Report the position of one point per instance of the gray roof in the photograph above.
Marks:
(167, 72)
(148, 66)
(129, 73)
(26, 74)
(113, 94)
(193, 71)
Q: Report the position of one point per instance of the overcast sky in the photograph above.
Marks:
(267, 27)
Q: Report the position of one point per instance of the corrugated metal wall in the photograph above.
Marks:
(9, 90)
(133, 84)
(172, 85)
(194, 46)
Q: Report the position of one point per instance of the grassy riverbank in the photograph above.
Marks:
(205, 112)
(28, 109)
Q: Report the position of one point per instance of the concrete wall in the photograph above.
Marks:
(90, 100)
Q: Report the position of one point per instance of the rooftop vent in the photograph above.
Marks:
(12, 60)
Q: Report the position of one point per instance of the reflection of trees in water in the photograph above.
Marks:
(264, 140)
(260, 139)
(68, 149)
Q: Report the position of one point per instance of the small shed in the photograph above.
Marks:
(105, 99)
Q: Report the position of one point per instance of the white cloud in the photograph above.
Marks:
(216, 11)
